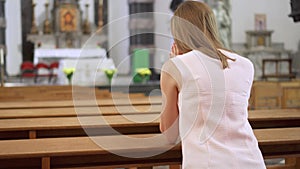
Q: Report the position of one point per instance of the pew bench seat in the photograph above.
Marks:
(82, 152)
(81, 111)
(80, 103)
(22, 128)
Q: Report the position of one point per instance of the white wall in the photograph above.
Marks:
(13, 36)
(277, 11)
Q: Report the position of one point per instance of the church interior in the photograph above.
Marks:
(80, 80)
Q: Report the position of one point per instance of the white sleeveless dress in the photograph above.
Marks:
(213, 116)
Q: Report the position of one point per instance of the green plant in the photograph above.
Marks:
(69, 73)
(109, 73)
(144, 73)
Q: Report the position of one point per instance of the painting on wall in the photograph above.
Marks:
(68, 19)
(260, 22)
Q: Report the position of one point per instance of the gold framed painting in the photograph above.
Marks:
(68, 19)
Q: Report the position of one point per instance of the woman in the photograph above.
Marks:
(205, 95)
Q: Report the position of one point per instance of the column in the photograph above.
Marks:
(140, 25)
(27, 46)
(13, 36)
(2, 30)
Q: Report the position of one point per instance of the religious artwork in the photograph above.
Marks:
(68, 19)
(260, 25)
(260, 22)
(222, 13)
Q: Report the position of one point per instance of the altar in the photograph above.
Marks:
(86, 62)
(71, 39)
(259, 47)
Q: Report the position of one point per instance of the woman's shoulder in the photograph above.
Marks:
(236, 56)
(169, 65)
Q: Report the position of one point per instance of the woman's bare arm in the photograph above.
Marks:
(169, 116)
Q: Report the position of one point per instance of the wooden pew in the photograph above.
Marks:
(80, 103)
(86, 111)
(271, 95)
(290, 97)
(82, 152)
(99, 125)
(48, 93)
(72, 126)
(54, 93)
(280, 114)
(265, 95)
(266, 116)
(270, 124)
(275, 118)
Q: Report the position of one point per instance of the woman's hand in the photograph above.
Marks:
(174, 50)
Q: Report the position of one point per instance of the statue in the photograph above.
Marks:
(224, 22)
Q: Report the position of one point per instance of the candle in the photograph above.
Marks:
(100, 2)
(1, 57)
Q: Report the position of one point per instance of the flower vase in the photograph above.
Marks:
(70, 81)
(69, 77)
(109, 81)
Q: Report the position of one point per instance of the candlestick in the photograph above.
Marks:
(47, 24)
(100, 15)
(86, 22)
(34, 29)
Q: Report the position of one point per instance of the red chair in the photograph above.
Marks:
(42, 70)
(53, 70)
(27, 70)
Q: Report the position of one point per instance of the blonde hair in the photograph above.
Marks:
(194, 27)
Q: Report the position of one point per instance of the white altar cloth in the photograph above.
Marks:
(52, 54)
